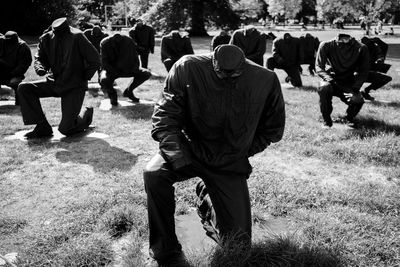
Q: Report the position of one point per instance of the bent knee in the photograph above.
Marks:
(24, 87)
(324, 87)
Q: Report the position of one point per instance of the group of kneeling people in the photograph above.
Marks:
(216, 110)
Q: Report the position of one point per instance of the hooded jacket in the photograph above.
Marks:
(174, 46)
(308, 47)
(216, 121)
(252, 42)
(118, 56)
(70, 58)
(15, 56)
(143, 37)
(346, 64)
(286, 51)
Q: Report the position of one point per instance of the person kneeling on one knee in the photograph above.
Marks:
(215, 112)
(343, 65)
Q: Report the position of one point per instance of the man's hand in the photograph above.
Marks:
(354, 98)
(41, 71)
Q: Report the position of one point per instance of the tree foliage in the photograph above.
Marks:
(353, 9)
(166, 15)
(288, 8)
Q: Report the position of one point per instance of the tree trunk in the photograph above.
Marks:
(197, 18)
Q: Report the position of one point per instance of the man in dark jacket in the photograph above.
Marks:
(143, 35)
(286, 55)
(120, 59)
(95, 35)
(308, 47)
(69, 60)
(215, 112)
(252, 42)
(378, 67)
(173, 47)
(15, 59)
(343, 65)
(222, 38)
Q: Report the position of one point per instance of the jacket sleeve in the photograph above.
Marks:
(24, 61)
(276, 53)
(106, 57)
(320, 63)
(41, 63)
(168, 118)
(260, 49)
(363, 68)
(272, 122)
(91, 56)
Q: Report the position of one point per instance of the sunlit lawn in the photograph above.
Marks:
(68, 203)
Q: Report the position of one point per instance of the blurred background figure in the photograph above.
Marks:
(15, 59)
(143, 36)
(222, 38)
(252, 42)
(308, 46)
(376, 76)
(120, 59)
(173, 46)
(286, 55)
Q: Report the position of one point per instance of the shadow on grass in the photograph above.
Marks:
(96, 152)
(9, 110)
(368, 123)
(138, 111)
(395, 85)
(380, 103)
(276, 251)
(307, 88)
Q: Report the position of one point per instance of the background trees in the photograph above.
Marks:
(33, 16)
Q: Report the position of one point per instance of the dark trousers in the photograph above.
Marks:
(377, 80)
(292, 71)
(144, 59)
(71, 104)
(107, 81)
(228, 192)
(7, 79)
(326, 92)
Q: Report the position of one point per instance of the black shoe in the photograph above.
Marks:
(347, 121)
(42, 130)
(131, 96)
(367, 96)
(287, 79)
(88, 117)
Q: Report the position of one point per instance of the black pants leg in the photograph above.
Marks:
(29, 94)
(325, 92)
(144, 59)
(138, 78)
(71, 104)
(377, 80)
(107, 85)
(229, 195)
(294, 75)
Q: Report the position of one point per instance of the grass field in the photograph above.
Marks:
(70, 203)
